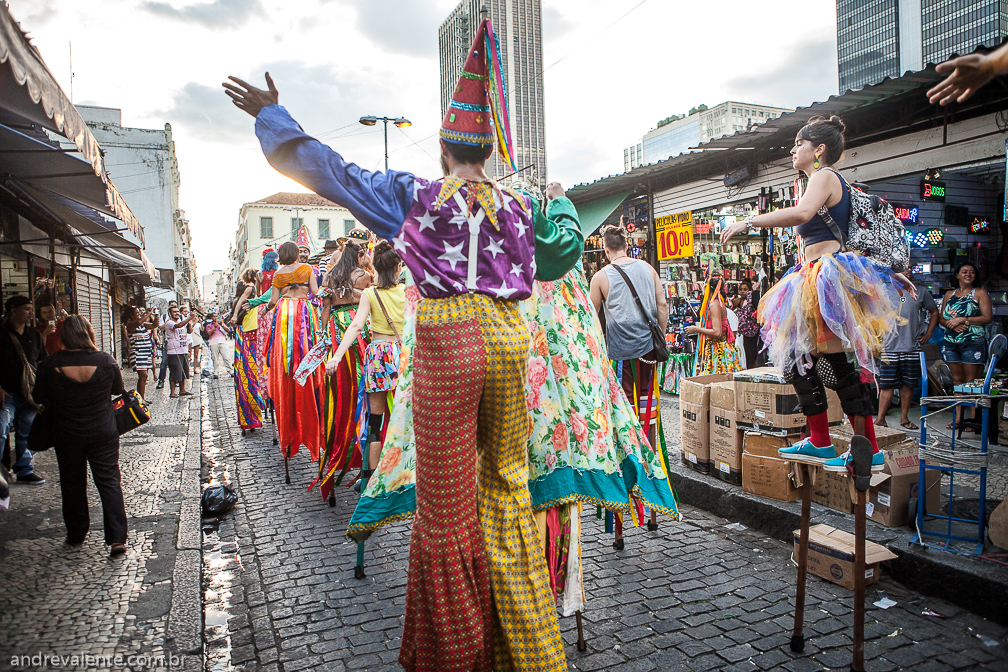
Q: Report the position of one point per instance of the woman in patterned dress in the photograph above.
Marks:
(720, 354)
(246, 369)
(140, 327)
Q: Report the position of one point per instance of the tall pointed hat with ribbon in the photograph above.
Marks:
(304, 239)
(478, 112)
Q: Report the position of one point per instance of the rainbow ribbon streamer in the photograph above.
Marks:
(498, 100)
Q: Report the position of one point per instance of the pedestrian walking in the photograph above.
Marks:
(21, 351)
(75, 386)
(381, 308)
(900, 367)
(48, 326)
(246, 369)
(469, 324)
(965, 312)
(164, 345)
(825, 318)
(218, 340)
(176, 350)
(628, 334)
(190, 363)
(196, 344)
(140, 326)
(294, 331)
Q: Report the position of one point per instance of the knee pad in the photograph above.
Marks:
(844, 377)
(809, 388)
(375, 422)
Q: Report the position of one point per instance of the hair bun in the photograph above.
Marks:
(834, 120)
(381, 247)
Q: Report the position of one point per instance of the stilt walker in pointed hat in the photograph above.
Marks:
(478, 594)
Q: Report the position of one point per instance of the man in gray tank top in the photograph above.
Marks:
(628, 336)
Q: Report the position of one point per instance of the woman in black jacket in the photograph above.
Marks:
(75, 386)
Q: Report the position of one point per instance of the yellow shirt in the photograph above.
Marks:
(394, 300)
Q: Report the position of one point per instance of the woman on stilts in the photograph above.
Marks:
(244, 319)
(826, 318)
(381, 308)
(344, 284)
(293, 333)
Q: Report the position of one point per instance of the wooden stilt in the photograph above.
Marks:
(798, 636)
(618, 544)
(276, 434)
(581, 644)
(861, 453)
(287, 467)
(359, 568)
(652, 525)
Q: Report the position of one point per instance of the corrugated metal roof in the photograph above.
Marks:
(894, 106)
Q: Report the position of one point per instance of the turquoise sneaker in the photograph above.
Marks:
(840, 463)
(807, 449)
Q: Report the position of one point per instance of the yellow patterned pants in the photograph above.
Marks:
(471, 357)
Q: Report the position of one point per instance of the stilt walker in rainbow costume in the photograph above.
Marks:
(478, 594)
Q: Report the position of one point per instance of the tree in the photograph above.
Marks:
(699, 108)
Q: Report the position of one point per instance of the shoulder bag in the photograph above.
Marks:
(387, 318)
(27, 371)
(659, 351)
(130, 411)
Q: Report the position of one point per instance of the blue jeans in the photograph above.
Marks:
(18, 412)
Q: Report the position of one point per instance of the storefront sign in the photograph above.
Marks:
(932, 190)
(906, 213)
(675, 235)
(634, 211)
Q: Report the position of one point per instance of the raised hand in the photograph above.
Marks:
(249, 98)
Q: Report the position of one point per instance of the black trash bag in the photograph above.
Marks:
(217, 500)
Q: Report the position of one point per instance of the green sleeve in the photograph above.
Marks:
(558, 238)
(259, 300)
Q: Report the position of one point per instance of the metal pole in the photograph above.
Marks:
(385, 123)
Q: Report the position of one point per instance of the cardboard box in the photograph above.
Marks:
(887, 437)
(889, 495)
(831, 556)
(768, 477)
(725, 436)
(758, 443)
(764, 401)
(831, 489)
(694, 421)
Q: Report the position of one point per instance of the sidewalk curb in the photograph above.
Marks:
(185, 620)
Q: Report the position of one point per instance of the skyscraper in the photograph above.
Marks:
(518, 25)
(885, 38)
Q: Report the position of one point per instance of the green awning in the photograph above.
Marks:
(593, 213)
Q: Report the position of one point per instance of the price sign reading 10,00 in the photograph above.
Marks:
(675, 235)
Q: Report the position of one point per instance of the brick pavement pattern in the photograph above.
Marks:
(695, 595)
(60, 600)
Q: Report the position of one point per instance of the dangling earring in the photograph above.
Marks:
(816, 164)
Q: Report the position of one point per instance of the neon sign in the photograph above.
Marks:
(906, 214)
(932, 190)
(980, 226)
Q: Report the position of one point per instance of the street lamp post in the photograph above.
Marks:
(297, 217)
(401, 122)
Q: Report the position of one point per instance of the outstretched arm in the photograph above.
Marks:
(380, 201)
(969, 73)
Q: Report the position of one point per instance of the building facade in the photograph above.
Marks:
(518, 25)
(143, 164)
(678, 136)
(272, 221)
(886, 38)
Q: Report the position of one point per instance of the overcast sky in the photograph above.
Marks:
(608, 79)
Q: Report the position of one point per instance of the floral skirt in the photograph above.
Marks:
(719, 357)
(845, 295)
(381, 366)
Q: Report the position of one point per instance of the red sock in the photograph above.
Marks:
(819, 429)
(869, 431)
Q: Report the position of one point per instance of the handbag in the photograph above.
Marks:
(27, 372)
(40, 435)
(130, 411)
(659, 346)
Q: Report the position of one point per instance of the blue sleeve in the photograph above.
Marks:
(379, 201)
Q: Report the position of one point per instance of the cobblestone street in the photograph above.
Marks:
(696, 595)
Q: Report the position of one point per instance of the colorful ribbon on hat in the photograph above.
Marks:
(497, 93)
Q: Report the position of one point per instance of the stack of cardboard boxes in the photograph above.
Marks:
(733, 424)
